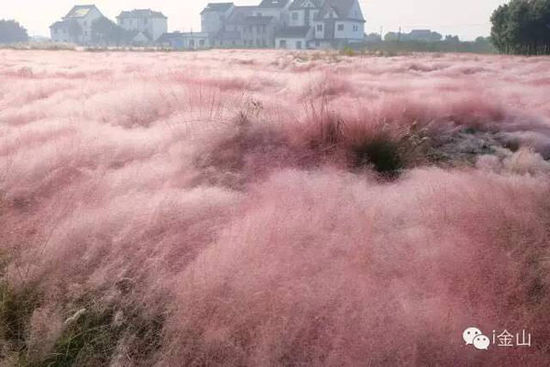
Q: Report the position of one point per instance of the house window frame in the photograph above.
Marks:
(340, 27)
(295, 15)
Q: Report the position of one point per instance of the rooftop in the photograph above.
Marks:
(300, 4)
(342, 8)
(239, 13)
(80, 11)
(142, 13)
(273, 3)
(217, 7)
(257, 20)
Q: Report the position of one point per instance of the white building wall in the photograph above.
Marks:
(312, 14)
(158, 26)
(155, 27)
(86, 24)
(292, 43)
(297, 18)
(319, 34)
(352, 30)
(212, 22)
(269, 12)
(60, 35)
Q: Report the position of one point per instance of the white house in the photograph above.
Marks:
(332, 23)
(214, 16)
(147, 24)
(294, 24)
(76, 26)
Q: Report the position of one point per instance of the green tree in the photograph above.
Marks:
(12, 32)
(522, 27)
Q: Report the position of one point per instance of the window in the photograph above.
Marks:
(319, 27)
(340, 27)
(355, 28)
(201, 42)
(299, 45)
(295, 15)
(282, 43)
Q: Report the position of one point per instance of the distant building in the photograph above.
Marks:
(185, 41)
(335, 23)
(424, 35)
(147, 25)
(214, 16)
(285, 24)
(258, 31)
(76, 26)
(418, 35)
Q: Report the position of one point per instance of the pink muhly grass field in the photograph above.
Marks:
(245, 208)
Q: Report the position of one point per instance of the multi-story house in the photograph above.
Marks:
(258, 31)
(244, 26)
(148, 25)
(296, 24)
(214, 16)
(322, 23)
(76, 26)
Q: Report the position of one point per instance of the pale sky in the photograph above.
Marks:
(467, 18)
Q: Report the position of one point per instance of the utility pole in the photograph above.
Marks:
(399, 36)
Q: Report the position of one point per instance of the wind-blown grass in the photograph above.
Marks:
(267, 208)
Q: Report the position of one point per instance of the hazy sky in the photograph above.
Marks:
(467, 18)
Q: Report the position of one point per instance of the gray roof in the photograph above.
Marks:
(239, 13)
(293, 32)
(141, 13)
(133, 34)
(257, 20)
(60, 24)
(273, 3)
(217, 7)
(299, 4)
(166, 37)
(342, 9)
(80, 11)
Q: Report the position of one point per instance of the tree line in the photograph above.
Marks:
(522, 27)
(12, 32)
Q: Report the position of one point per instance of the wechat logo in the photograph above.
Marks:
(474, 336)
